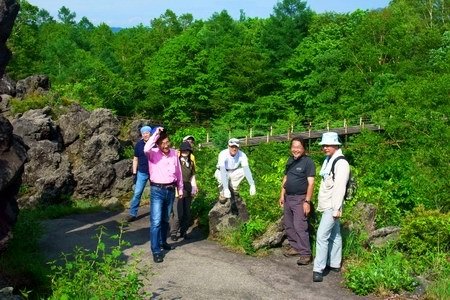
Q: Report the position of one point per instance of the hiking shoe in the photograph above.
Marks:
(167, 247)
(130, 219)
(332, 269)
(290, 252)
(304, 260)
(317, 277)
(158, 258)
(174, 237)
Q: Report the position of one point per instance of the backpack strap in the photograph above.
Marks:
(334, 162)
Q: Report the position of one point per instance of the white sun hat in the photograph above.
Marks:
(330, 138)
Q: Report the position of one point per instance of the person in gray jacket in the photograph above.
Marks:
(331, 197)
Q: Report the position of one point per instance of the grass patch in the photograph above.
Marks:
(22, 265)
(97, 274)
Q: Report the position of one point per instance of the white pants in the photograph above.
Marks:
(328, 243)
(234, 179)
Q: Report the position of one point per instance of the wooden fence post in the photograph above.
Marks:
(360, 121)
(345, 126)
(271, 130)
(267, 140)
(292, 127)
(328, 125)
(207, 137)
(309, 129)
(246, 140)
(251, 132)
(289, 134)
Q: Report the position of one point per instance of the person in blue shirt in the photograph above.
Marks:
(140, 173)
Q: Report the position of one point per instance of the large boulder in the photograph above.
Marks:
(228, 215)
(5, 103)
(76, 156)
(71, 123)
(8, 13)
(13, 155)
(37, 125)
(273, 237)
(35, 84)
(95, 153)
(7, 86)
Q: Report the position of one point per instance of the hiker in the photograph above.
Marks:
(191, 140)
(330, 200)
(181, 216)
(232, 167)
(165, 177)
(140, 173)
(296, 192)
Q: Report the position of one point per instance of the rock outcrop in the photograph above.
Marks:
(12, 149)
(76, 156)
(230, 214)
(13, 155)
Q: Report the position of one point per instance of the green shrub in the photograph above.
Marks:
(423, 232)
(383, 270)
(97, 274)
(249, 230)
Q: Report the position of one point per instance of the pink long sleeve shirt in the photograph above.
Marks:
(163, 168)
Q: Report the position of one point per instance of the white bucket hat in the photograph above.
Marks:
(330, 138)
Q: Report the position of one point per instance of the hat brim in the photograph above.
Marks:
(330, 144)
(233, 144)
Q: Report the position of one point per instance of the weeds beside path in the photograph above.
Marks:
(196, 268)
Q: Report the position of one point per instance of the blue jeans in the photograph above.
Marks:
(141, 181)
(328, 242)
(160, 210)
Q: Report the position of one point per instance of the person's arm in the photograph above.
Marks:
(152, 141)
(248, 175)
(342, 173)
(178, 174)
(308, 197)
(135, 165)
(194, 185)
(283, 190)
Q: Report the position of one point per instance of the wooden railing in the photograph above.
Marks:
(310, 133)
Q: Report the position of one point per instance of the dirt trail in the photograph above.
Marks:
(197, 268)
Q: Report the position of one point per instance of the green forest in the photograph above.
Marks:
(296, 67)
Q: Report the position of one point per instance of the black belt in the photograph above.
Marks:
(229, 169)
(167, 186)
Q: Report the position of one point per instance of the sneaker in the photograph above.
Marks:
(304, 260)
(290, 252)
(317, 277)
(174, 237)
(158, 258)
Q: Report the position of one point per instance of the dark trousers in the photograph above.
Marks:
(296, 224)
(181, 216)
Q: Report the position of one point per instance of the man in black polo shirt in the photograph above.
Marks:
(296, 193)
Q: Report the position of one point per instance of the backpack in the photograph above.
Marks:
(350, 189)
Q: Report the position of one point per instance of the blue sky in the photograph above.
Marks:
(128, 13)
